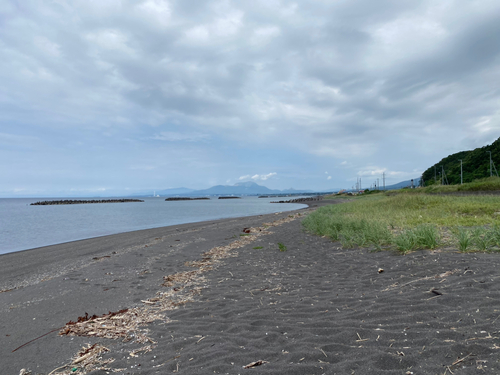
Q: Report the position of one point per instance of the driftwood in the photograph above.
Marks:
(255, 364)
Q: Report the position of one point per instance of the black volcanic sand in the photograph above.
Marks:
(312, 309)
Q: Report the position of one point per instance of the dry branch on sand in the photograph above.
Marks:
(438, 276)
(255, 364)
(128, 324)
(124, 324)
(88, 359)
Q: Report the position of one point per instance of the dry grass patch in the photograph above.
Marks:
(130, 324)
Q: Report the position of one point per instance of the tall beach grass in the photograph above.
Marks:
(411, 221)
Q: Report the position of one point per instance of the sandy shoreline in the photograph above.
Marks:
(312, 309)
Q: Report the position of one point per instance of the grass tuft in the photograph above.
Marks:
(481, 238)
(282, 247)
(463, 238)
(428, 236)
(406, 241)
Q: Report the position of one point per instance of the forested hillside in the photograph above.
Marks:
(476, 164)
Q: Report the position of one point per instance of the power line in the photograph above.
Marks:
(461, 174)
(492, 166)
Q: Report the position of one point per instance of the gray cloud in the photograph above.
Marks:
(364, 81)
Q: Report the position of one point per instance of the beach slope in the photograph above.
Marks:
(253, 292)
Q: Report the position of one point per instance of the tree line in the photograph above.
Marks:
(475, 165)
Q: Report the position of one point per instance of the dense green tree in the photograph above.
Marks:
(476, 165)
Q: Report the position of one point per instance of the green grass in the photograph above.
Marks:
(282, 247)
(257, 247)
(481, 238)
(484, 184)
(428, 236)
(406, 241)
(409, 221)
(463, 239)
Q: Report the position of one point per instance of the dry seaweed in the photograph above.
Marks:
(128, 324)
(87, 359)
(124, 324)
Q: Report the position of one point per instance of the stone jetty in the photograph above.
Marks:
(301, 200)
(71, 201)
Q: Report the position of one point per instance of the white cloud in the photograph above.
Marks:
(198, 34)
(372, 171)
(48, 46)
(264, 35)
(157, 10)
(110, 40)
(378, 172)
(329, 177)
(258, 177)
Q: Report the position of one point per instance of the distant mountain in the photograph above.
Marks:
(241, 188)
(403, 184)
(293, 191)
(475, 165)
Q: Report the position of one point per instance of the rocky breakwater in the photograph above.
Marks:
(229, 197)
(301, 200)
(71, 201)
(173, 199)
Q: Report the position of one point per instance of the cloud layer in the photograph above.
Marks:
(155, 94)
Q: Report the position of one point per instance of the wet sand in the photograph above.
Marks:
(313, 309)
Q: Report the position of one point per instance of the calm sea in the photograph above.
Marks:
(25, 227)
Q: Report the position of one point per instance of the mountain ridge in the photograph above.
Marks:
(475, 165)
(242, 188)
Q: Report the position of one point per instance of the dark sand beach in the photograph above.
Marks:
(220, 295)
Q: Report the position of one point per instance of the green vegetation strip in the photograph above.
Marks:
(484, 185)
(410, 221)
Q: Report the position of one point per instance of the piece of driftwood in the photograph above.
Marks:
(255, 364)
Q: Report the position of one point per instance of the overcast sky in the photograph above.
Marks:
(103, 97)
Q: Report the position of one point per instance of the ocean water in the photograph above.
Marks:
(26, 227)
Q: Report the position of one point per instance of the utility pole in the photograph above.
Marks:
(435, 180)
(491, 171)
(383, 178)
(461, 174)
